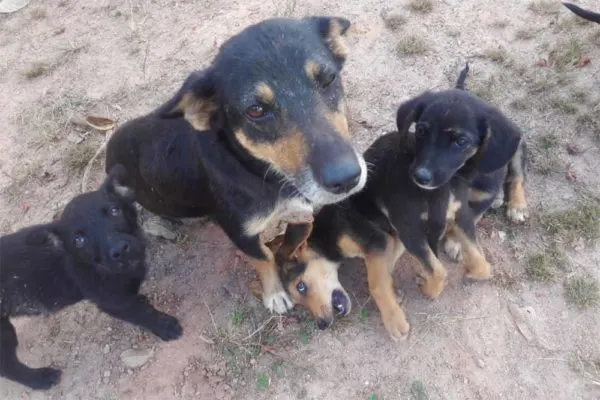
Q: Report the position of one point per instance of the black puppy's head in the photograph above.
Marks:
(454, 132)
(275, 89)
(99, 228)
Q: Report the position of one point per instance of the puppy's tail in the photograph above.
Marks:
(460, 83)
(585, 14)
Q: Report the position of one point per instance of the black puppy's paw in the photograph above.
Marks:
(167, 327)
(44, 378)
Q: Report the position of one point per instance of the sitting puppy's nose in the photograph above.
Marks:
(323, 323)
(339, 302)
(423, 176)
(341, 176)
(118, 250)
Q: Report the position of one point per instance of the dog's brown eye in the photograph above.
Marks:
(328, 79)
(301, 287)
(255, 112)
(461, 141)
(78, 240)
(419, 131)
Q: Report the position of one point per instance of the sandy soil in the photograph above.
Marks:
(511, 338)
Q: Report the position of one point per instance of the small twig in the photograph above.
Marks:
(206, 340)
(211, 317)
(88, 167)
(260, 328)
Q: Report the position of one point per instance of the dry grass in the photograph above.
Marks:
(582, 221)
(420, 6)
(544, 7)
(542, 266)
(410, 45)
(548, 142)
(544, 156)
(38, 13)
(500, 24)
(393, 20)
(563, 105)
(37, 69)
(497, 54)
(582, 292)
(566, 53)
(525, 34)
(78, 156)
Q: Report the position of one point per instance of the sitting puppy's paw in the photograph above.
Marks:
(498, 202)
(517, 214)
(453, 249)
(431, 285)
(167, 328)
(278, 302)
(44, 378)
(396, 324)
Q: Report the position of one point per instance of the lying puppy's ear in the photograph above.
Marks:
(44, 235)
(497, 146)
(115, 184)
(410, 111)
(195, 100)
(294, 243)
(333, 30)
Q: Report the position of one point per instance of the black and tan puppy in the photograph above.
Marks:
(94, 252)
(260, 132)
(585, 14)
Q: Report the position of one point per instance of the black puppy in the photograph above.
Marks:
(94, 252)
(261, 132)
(585, 14)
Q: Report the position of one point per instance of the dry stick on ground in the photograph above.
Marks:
(88, 167)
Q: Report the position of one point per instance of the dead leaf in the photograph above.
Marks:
(542, 63)
(518, 316)
(570, 174)
(574, 149)
(583, 61)
(100, 123)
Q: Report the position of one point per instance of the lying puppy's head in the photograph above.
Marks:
(312, 282)
(99, 228)
(455, 130)
(275, 90)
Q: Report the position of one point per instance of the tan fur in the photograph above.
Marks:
(432, 283)
(311, 69)
(479, 195)
(123, 191)
(266, 270)
(516, 194)
(453, 206)
(335, 40)
(196, 111)
(286, 154)
(475, 263)
(264, 93)
(340, 123)
(349, 248)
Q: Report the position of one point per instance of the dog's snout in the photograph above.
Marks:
(117, 251)
(339, 302)
(323, 323)
(342, 175)
(423, 176)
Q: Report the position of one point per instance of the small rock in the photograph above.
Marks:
(129, 371)
(480, 363)
(136, 358)
(107, 374)
(106, 349)
(156, 226)
(502, 236)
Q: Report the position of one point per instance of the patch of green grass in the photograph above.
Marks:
(563, 105)
(410, 45)
(276, 368)
(582, 292)
(542, 266)
(78, 155)
(544, 7)
(548, 141)
(362, 315)
(372, 397)
(270, 340)
(497, 54)
(418, 392)
(420, 6)
(580, 221)
(37, 69)
(566, 53)
(236, 318)
(263, 381)
(393, 20)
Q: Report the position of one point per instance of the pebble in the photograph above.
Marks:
(136, 358)
(107, 374)
(106, 349)
(480, 363)
(502, 236)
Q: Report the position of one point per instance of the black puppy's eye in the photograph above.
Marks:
(255, 112)
(114, 211)
(328, 79)
(420, 131)
(78, 240)
(461, 141)
(301, 287)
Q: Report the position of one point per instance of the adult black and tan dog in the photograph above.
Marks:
(260, 132)
(583, 13)
(94, 252)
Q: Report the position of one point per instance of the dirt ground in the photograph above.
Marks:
(533, 332)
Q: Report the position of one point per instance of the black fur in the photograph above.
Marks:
(585, 14)
(94, 251)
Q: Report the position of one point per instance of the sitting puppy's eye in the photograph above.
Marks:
(461, 141)
(114, 211)
(328, 79)
(301, 287)
(255, 112)
(79, 240)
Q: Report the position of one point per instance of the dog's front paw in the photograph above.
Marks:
(278, 301)
(396, 324)
(432, 285)
(44, 378)
(453, 249)
(167, 328)
(517, 214)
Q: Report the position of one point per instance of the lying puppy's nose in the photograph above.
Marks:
(339, 302)
(423, 176)
(323, 323)
(118, 250)
(341, 176)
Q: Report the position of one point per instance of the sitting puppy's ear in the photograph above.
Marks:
(497, 145)
(410, 111)
(115, 184)
(44, 235)
(294, 242)
(332, 30)
(195, 101)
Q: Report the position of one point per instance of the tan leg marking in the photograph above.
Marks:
(517, 205)
(432, 284)
(475, 262)
(274, 296)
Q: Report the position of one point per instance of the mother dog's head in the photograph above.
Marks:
(276, 92)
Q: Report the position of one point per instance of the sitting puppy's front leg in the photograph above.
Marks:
(463, 230)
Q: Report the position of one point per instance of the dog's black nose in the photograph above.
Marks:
(323, 323)
(118, 250)
(339, 302)
(423, 176)
(341, 176)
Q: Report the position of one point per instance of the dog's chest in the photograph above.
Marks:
(293, 210)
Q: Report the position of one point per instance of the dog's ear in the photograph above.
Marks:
(115, 184)
(497, 146)
(333, 30)
(195, 100)
(294, 243)
(410, 111)
(45, 235)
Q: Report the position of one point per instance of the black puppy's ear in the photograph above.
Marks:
(115, 184)
(333, 30)
(410, 111)
(195, 100)
(44, 235)
(498, 146)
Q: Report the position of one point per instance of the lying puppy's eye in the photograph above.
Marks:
(115, 211)
(255, 112)
(420, 131)
(328, 79)
(461, 141)
(78, 240)
(301, 287)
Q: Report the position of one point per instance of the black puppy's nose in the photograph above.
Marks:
(339, 302)
(423, 176)
(323, 323)
(341, 176)
(118, 250)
